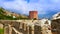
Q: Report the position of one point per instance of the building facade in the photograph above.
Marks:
(33, 14)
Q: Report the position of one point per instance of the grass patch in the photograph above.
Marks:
(1, 31)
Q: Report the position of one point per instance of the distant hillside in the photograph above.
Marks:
(7, 15)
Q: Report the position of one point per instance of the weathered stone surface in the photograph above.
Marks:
(25, 27)
(1, 26)
(56, 25)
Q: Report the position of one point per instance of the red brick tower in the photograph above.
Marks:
(33, 14)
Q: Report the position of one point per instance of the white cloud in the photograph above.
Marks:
(41, 5)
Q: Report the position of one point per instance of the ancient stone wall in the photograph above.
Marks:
(55, 26)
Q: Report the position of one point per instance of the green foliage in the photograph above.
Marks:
(5, 17)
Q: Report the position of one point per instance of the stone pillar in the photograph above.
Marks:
(10, 29)
(24, 27)
(6, 29)
(27, 29)
(20, 27)
(32, 29)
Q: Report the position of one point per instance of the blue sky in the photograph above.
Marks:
(45, 8)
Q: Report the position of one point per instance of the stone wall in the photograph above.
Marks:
(55, 26)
